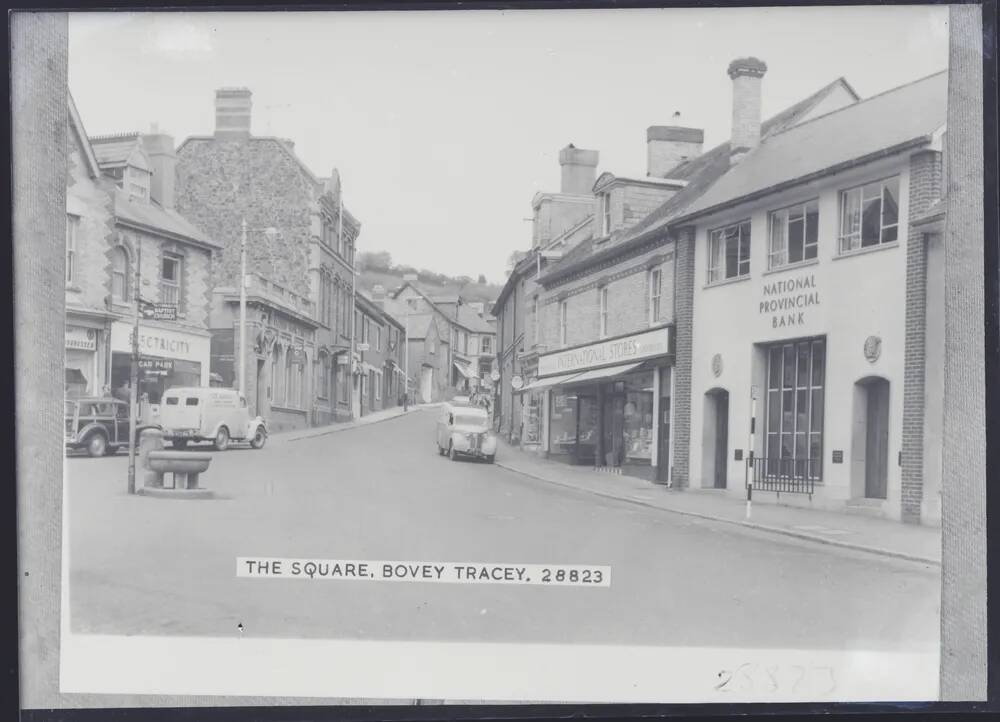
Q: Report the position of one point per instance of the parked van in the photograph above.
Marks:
(464, 430)
(191, 414)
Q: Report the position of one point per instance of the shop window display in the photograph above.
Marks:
(638, 418)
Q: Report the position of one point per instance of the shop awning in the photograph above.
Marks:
(605, 373)
(549, 381)
(466, 371)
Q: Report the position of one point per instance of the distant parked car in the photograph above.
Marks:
(98, 425)
(197, 413)
(465, 431)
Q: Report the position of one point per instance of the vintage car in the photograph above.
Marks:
(194, 413)
(98, 425)
(465, 431)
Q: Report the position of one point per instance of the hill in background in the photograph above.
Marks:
(377, 268)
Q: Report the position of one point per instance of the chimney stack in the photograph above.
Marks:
(579, 170)
(160, 149)
(746, 74)
(232, 113)
(667, 146)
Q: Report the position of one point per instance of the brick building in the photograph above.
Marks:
(120, 212)
(300, 254)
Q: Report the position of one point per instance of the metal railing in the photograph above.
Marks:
(793, 476)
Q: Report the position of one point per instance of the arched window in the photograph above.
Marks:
(119, 275)
(273, 387)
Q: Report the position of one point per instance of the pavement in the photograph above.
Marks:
(379, 491)
(863, 533)
(374, 417)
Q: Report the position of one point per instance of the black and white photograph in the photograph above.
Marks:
(512, 356)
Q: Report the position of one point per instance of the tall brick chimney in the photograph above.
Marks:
(159, 148)
(667, 146)
(232, 113)
(579, 170)
(746, 74)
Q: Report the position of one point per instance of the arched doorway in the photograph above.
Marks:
(715, 439)
(870, 472)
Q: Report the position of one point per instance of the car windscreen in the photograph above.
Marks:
(469, 420)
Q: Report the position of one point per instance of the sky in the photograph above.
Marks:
(444, 124)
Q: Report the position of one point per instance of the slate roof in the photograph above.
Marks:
(889, 121)
(114, 150)
(473, 321)
(153, 216)
(419, 324)
(700, 173)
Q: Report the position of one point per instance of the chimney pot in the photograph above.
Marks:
(579, 170)
(232, 113)
(746, 74)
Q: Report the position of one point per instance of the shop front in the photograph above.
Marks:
(167, 357)
(607, 404)
(82, 361)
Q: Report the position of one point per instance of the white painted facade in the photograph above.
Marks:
(858, 296)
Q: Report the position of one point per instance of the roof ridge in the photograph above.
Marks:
(861, 101)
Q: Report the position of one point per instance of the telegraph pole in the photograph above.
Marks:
(134, 373)
(243, 308)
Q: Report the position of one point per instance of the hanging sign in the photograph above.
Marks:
(297, 356)
(159, 311)
(81, 338)
(517, 382)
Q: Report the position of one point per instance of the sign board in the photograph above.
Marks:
(81, 338)
(297, 356)
(165, 365)
(494, 375)
(342, 359)
(636, 347)
(160, 311)
(517, 382)
(363, 347)
(838, 456)
(753, 392)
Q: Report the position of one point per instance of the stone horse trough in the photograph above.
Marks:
(183, 466)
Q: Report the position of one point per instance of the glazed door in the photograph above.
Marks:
(612, 425)
(877, 440)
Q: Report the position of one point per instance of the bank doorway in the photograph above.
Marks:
(715, 439)
(875, 392)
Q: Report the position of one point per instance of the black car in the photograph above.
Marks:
(99, 425)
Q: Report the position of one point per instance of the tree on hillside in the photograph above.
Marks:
(482, 279)
(375, 260)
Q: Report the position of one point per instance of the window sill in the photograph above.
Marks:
(865, 251)
(289, 409)
(727, 281)
(792, 266)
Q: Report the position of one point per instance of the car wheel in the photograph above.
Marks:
(490, 458)
(259, 438)
(179, 443)
(222, 439)
(452, 454)
(97, 445)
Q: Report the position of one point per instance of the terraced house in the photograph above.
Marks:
(121, 217)
(300, 247)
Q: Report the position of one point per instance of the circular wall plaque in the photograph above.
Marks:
(873, 348)
(495, 375)
(517, 382)
(717, 364)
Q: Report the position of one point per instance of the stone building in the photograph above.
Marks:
(174, 258)
(379, 340)
(89, 241)
(300, 245)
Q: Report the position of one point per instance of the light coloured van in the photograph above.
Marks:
(192, 414)
(465, 431)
